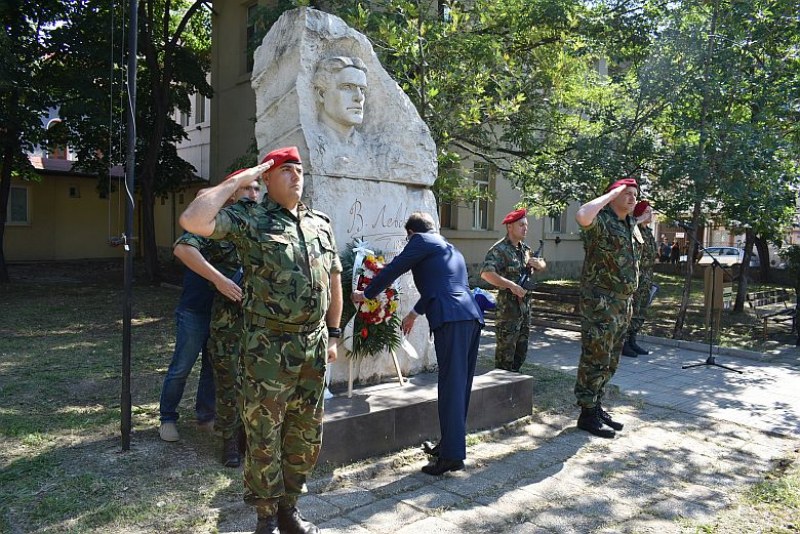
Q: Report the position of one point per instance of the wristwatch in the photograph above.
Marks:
(334, 331)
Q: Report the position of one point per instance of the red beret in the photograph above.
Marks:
(283, 155)
(640, 207)
(630, 182)
(514, 216)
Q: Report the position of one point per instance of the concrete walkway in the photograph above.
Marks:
(692, 439)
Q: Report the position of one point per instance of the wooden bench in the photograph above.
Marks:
(556, 303)
(778, 305)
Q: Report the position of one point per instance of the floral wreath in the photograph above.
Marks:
(374, 325)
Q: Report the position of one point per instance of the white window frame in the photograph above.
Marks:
(481, 178)
(558, 224)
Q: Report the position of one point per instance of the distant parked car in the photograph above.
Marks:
(728, 257)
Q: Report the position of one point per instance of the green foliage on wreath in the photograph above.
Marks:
(382, 336)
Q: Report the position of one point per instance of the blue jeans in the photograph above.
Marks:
(192, 330)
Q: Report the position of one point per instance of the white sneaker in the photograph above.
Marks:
(169, 432)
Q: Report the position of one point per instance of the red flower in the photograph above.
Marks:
(364, 333)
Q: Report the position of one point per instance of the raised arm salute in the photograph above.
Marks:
(198, 217)
(292, 309)
(609, 277)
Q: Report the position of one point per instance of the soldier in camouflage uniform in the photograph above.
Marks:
(641, 299)
(504, 264)
(224, 338)
(610, 276)
(292, 290)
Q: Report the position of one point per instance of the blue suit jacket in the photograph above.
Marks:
(440, 274)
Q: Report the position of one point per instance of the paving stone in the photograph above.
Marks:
(430, 498)
(348, 498)
(342, 525)
(430, 525)
(476, 519)
(385, 515)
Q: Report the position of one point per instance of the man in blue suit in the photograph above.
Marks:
(440, 275)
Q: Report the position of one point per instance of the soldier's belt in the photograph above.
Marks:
(609, 293)
(259, 320)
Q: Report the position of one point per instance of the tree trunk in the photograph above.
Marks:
(687, 282)
(5, 192)
(744, 269)
(763, 257)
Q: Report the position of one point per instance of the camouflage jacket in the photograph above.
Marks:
(612, 248)
(649, 253)
(221, 254)
(287, 260)
(507, 260)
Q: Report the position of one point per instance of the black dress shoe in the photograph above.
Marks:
(442, 466)
(430, 449)
(267, 525)
(291, 522)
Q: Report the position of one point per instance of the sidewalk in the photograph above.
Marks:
(692, 438)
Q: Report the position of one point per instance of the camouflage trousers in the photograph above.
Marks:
(282, 405)
(640, 300)
(512, 326)
(604, 323)
(223, 347)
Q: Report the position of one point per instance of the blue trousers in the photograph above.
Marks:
(192, 329)
(456, 345)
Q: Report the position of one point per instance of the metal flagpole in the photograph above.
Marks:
(130, 165)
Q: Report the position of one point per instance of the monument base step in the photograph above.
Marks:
(389, 417)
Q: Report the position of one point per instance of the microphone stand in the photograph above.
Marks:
(711, 360)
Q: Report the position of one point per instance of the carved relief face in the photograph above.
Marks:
(343, 101)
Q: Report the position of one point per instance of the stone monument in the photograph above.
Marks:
(368, 157)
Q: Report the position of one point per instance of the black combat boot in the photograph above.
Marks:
(590, 422)
(267, 525)
(606, 418)
(230, 453)
(635, 346)
(291, 522)
(442, 466)
(627, 350)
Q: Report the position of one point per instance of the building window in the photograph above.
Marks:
(480, 208)
(74, 191)
(199, 108)
(180, 198)
(558, 223)
(184, 119)
(447, 215)
(18, 209)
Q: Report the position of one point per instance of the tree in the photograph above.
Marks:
(174, 43)
(491, 78)
(24, 98)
